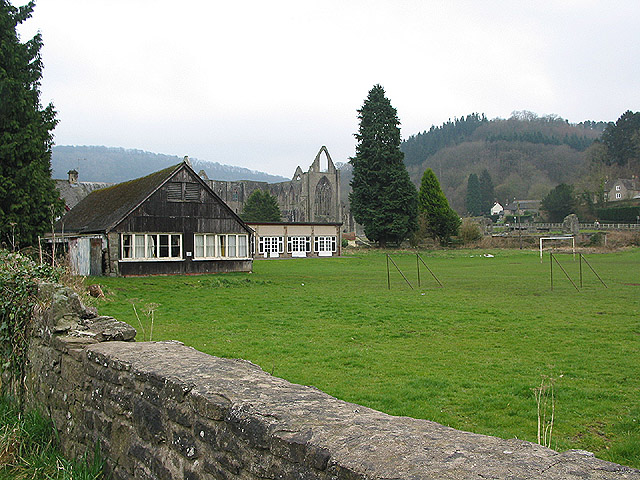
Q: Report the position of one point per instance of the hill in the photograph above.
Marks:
(115, 165)
(526, 155)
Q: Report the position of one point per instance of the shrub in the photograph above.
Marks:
(596, 240)
(625, 214)
(469, 232)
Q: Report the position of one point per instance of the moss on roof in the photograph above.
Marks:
(102, 209)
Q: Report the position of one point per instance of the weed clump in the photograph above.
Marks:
(19, 278)
(29, 448)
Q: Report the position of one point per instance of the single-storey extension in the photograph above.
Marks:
(279, 239)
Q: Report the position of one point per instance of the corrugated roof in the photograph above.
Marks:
(102, 209)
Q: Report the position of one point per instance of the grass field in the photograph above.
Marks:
(468, 355)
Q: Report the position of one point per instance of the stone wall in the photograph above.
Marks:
(161, 410)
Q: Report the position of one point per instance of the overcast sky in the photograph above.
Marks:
(264, 84)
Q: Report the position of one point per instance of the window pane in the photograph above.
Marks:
(231, 247)
(242, 246)
(126, 246)
(175, 245)
(151, 246)
(199, 246)
(139, 246)
(164, 246)
(211, 247)
(222, 247)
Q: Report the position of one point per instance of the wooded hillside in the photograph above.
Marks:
(115, 165)
(526, 155)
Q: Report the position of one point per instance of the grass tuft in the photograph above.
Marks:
(28, 449)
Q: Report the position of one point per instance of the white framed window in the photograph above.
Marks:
(298, 244)
(617, 187)
(324, 244)
(270, 245)
(211, 245)
(618, 195)
(151, 246)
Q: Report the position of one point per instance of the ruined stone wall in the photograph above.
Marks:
(166, 411)
(312, 196)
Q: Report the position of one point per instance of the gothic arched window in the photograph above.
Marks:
(323, 197)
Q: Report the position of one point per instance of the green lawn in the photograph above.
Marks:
(466, 355)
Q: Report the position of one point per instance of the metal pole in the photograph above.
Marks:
(398, 268)
(519, 227)
(581, 270)
(388, 276)
(551, 263)
(567, 275)
(594, 272)
(432, 274)
(418, 265)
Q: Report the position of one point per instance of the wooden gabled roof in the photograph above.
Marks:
(103, 209)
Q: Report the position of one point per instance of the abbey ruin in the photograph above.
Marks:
(312, 196)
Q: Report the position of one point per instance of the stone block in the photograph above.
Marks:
(148, 421)
(148, 463)
(184, 443)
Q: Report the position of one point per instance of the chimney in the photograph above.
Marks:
(73, 177)
(187, 161)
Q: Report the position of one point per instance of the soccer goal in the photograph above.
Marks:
(564, 237)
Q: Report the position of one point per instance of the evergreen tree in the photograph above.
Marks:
(261, 207)
(559, 203)
(29, 201)
(472, 200)
(383, 199)
(439, 219)
(487, 195)
(621, 138)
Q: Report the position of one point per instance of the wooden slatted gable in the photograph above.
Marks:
(174, 191)
(192, 192)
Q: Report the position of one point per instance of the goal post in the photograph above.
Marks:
(564, 237)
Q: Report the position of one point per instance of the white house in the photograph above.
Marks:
(497, 209)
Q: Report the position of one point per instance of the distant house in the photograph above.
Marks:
(519, 207)
(497, 209)
(169, 222)
(72, 191)
(624, 189)
(278, 239)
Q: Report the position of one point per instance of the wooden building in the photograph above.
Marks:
(169, 222)
(279, 239)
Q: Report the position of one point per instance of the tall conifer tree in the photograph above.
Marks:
(473, 202)
(28, 197)
(487, 195)
(383, 199)
(440, 220)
